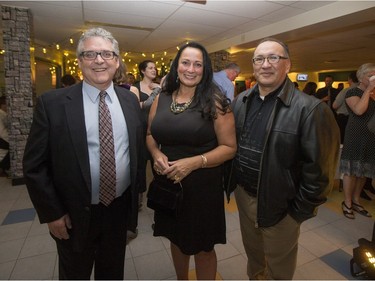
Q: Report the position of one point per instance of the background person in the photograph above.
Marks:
(121, 79)
(358, 154)
(190, 134)
(146, 85)
(328, 93)
(131, 78)
(148, 90)
(310, 88)
(288, 145)
(340, 86)
(224, 79)
(4, 139)
(342, 114)
(64, 165)
(67, 80)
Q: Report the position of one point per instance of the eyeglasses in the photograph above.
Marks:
(271, 59)
(91, 55)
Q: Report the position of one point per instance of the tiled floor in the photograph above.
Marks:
(326, 243)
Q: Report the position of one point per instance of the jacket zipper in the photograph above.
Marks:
(269, 126)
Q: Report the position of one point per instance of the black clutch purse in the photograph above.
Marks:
(165, 196)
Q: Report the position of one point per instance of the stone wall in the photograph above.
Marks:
(16, 25)
(219, 60)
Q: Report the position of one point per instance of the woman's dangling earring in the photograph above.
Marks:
(177, 79)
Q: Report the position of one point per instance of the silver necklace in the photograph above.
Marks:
(178, 108)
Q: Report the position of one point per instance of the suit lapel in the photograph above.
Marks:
(76, 122)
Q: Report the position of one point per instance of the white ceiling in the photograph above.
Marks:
(322, 35)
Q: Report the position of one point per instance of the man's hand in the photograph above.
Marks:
(59, 228)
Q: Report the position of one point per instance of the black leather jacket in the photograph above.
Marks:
(300, 157)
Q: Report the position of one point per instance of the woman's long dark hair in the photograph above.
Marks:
(208, 98)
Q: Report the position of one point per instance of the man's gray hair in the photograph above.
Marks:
(97, 32)
(271, 39)
(233, 65)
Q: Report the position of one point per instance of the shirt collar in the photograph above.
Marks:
(270, 96)
(93, 93)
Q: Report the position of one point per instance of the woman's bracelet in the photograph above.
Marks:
(204, 161)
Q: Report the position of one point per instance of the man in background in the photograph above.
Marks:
(224, 79)
(328, 93)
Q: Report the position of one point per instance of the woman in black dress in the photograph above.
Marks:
(190, 135)
(147, 70)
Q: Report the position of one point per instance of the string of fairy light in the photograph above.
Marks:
(61, 53)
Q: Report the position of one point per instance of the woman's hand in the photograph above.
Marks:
(179, 169)
(153, 86)
(160, 163)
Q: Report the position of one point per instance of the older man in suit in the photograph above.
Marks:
(64, 163)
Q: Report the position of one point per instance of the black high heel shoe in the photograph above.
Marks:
(360, 209)
(348, 212)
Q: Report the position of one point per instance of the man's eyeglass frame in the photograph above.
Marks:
(105, 55)
(272, 59)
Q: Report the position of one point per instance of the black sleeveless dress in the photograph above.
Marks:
(201, 224)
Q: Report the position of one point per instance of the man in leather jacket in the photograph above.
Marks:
(288, 144)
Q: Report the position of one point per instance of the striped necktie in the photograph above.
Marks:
(107, 183)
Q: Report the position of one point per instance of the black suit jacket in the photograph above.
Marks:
(323, 92)
(56, 160)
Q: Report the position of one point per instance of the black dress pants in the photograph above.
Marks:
(105, 247)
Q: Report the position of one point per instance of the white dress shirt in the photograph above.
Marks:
(120, 135)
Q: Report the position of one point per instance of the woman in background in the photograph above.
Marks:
(148, 90)
(121, 79)
(310, 88)
(148, 72)
(358, 154)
